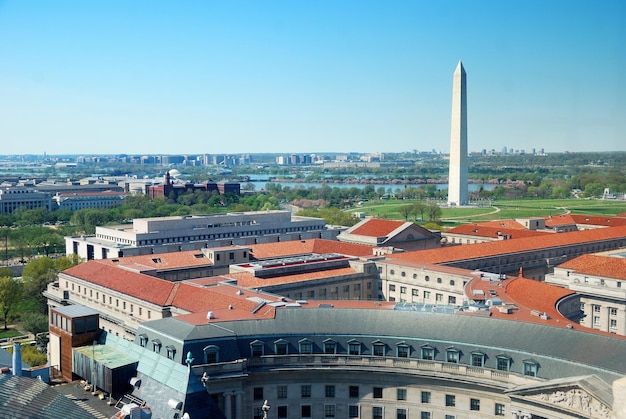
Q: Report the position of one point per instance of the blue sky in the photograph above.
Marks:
(165, 77)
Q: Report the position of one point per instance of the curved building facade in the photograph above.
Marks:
(324, 362)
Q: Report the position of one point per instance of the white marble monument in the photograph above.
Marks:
(457, 181)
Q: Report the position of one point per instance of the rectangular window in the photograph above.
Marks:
(439, 298)
(401, 394)
(596, 308)
(305, 391)
(425, 396)
(613, 324)
(281, 412)
(330, 391)
(353, 411)
(306, 348)
(281, 348)
(425, 415)
(378, 392)
(596, 320)
(402, 290)
(403, 351)
(354, 348)
(452, 356)
(281, 392)
(499, 411)
(450, 417)
(530, 369)
(474, 404)
(401, 414)
(305, 411)
(427, 297)
(258, 393)
(503, 364)
(392, 287)
(428, 353)
(451, 300)
(377, 412)
(613, 311)
(415, 292)
(354, 391)
(346, 288)
(379, 350)
(329, 410)
(477, 360)
(450, 400)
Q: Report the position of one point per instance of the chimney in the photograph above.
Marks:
(17, 359)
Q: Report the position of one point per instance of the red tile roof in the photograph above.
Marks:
(503, 247)
(599, 220)
(535, 295)
(374, 227)
(247, 280)
(148, 288)
(508, 223)
(162, 261)
(299, 247)
(598, 265)
(480, 230)
(526, 300)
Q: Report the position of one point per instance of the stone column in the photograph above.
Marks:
(238, 405)
(228, 405)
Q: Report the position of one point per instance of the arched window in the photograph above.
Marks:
(211, 354)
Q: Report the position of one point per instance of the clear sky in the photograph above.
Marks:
(229, 76)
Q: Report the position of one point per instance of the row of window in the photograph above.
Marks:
(402, 350)
(83, 290)
(452, 282)
(598, 309)
(235, 234)
(354, 410)
(427, 295)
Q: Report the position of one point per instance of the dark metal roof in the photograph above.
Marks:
(561, 351)
(28, 398)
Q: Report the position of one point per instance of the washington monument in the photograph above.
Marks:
(457, 179)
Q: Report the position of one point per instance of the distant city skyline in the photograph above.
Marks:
(239, 77)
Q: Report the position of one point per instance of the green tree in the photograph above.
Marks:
(10, 294)
(433, 210)
(419, 208)
(34, 322)
(406, 211)
(37, 274)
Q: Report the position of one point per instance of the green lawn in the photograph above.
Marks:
(503, 209)
(10, 333)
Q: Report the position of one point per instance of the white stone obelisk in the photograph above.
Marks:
(457, 179)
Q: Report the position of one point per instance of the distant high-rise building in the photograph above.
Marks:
(457, 179)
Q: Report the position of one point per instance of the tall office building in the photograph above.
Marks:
(457, 181)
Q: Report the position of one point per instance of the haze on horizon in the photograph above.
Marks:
(147, 77)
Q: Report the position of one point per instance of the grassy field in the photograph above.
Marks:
(520, 208)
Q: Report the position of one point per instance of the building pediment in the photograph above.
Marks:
(587, 396)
